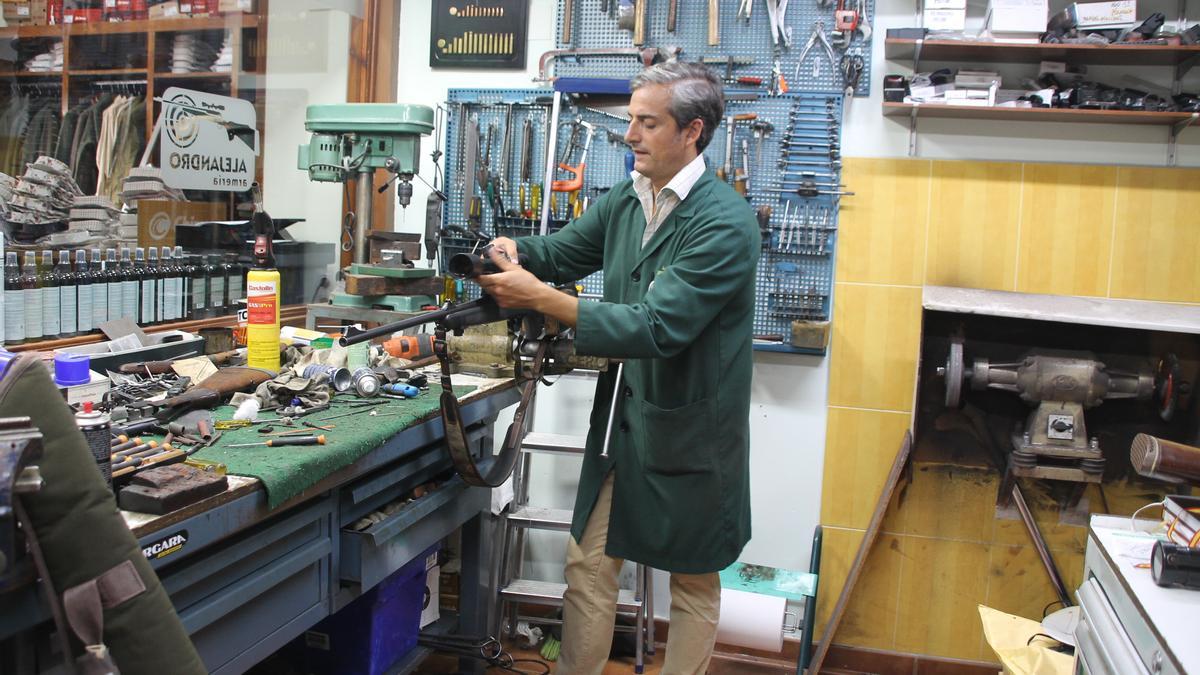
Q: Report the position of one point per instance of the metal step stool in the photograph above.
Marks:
(521, 516)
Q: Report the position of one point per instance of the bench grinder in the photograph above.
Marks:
(1054, 442)
(351, 140)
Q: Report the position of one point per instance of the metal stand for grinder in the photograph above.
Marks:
(1054, 442)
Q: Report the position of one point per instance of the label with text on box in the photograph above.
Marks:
(262, 302)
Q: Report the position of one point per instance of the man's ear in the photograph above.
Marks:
(693, 130)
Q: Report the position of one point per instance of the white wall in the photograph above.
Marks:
(307, 63)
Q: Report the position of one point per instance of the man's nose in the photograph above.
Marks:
(631, 135)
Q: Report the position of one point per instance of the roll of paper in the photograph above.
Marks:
(751, 620)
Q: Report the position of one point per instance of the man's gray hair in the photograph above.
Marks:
(696, 93)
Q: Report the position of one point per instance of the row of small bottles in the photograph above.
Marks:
(46, 301)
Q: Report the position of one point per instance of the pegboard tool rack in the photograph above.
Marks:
(592, 28)
(795, 273)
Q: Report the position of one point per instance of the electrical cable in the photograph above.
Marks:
(489, 650)
(1049, 605)
(1133, 516)
(348, 222)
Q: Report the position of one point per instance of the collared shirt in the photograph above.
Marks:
(658, 208)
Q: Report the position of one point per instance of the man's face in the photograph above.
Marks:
(660, 146)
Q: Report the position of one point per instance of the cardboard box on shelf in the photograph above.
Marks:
(1102, 14)
(164, 10)
(82, 16)
(945, 19)
(235, 6)
(1018, 16)
(17, 11)
(38, 12)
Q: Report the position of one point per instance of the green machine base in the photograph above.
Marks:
(395, 303)
(393, 272)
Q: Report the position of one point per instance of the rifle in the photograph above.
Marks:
(541, 346)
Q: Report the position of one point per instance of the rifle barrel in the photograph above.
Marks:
(413, 321)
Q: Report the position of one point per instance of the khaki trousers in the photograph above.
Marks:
(590, 605)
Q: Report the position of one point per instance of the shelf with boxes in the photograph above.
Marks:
(1063, 91)
(1064, 44)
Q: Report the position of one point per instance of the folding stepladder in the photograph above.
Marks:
(520, 516)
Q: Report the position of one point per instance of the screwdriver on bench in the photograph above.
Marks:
(276, 442)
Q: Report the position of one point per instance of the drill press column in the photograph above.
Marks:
(364, 208)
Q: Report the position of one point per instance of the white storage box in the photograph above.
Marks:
(1018, 16)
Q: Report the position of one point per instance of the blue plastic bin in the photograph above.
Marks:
(375, 630)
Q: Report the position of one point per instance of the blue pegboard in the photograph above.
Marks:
(796, 270)
(592, 28)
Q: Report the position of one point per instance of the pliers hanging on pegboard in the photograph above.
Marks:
(817, 35)
(781, 33)
(745, 7)
(852, 69)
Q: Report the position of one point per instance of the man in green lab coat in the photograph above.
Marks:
(679, 249)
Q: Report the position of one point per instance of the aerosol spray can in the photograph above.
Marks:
(97, 430)
(262, 295)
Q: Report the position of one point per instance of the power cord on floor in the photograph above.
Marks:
(488, 650)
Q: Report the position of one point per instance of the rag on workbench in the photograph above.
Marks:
(287, 471)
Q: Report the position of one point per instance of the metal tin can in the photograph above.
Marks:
(338, 378)
(366, 382)
(97, 430)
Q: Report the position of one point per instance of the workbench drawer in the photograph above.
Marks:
(370, 555)
(398, 478)
(246, 597)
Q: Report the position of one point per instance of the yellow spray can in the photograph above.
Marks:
(262, 295)
(262, 320)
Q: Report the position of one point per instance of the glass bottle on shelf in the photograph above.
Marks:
(84, 292)
(31, 285)
(147, 287)
(156, 267)
(14, 301)
(68, 295)
(51, 319)
(182, 285)
(199, 287)
(99, 289)
(217, 299)
(116, 285)
(129, 285)
(166, 285)
(237, 281)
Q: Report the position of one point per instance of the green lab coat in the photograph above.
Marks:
(679, 311)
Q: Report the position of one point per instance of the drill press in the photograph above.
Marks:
(351, 140)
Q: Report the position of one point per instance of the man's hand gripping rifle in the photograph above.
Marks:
(541, 346)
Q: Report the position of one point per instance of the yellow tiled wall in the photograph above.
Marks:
(1036, 228)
